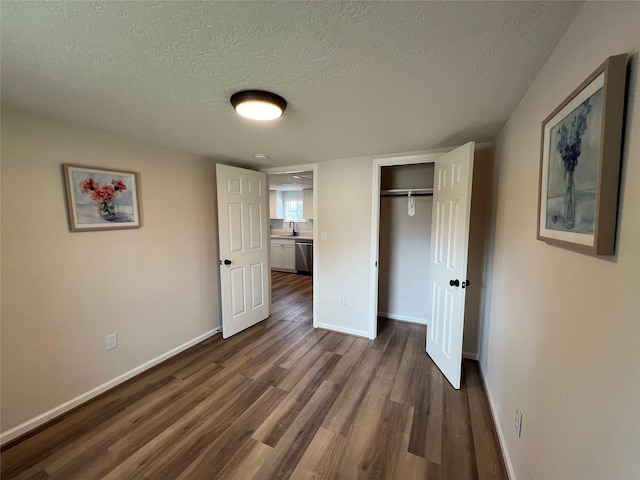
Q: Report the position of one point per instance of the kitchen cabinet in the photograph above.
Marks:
(276, 205)
(307, 204)
(283, 255)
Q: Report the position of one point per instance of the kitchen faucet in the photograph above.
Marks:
(294, 229)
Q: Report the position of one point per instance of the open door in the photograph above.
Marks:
(449, 249)
(244, 255)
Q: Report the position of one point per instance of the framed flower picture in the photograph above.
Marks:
(580, 163)
(101, 199)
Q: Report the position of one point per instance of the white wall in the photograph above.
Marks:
(156, 287)
(561, 336)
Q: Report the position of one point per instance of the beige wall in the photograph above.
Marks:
(156, 287)
(403, 273)
(344, 212)
(561, 337)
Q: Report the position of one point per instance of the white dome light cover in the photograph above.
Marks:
(258, 104)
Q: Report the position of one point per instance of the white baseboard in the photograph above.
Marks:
(501, 440)
(335, 328)
(94, 392)
(471, 355)
(403, 318)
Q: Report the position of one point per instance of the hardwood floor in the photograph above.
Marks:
(280, 400)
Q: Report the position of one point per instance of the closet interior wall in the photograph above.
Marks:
(405, 242)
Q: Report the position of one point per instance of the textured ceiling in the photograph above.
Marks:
(291, 181)
(360, 77)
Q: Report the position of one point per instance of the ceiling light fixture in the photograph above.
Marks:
(258, 104)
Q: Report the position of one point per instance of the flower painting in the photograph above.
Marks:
(580, 163)
(101, 199)
(574, 150)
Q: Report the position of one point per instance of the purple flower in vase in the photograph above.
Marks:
(570, 141)
(569, 147)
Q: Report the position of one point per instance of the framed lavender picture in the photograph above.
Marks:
(580, 163)
(101, 199)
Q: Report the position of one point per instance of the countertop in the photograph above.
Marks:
(290, 237)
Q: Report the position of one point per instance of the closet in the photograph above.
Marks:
(406, 201)
(420, 248)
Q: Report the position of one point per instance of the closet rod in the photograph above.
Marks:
(403, 192)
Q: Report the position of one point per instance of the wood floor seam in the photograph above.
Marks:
(280, 400)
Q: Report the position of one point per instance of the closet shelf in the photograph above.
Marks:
(403, 192)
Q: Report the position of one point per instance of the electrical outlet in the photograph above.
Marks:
(111, 341)
(341, 301)
(518, 424)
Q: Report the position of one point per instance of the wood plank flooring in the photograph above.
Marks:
(279, 400)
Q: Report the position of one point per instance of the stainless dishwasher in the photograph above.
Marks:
(304, 256)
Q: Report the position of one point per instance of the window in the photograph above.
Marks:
(293, 206)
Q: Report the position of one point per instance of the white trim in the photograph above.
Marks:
(375, 255)
(470, 355)
(339, 329)
(411, 159)
(307, 167)
(501, 440)
(94, 392)
(403, 318)
(405, 159)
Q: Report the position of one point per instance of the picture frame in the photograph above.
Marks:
(581, 149)
(101, 198)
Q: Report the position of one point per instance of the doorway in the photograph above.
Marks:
(292, 207)
(398, 183)
(448, 253)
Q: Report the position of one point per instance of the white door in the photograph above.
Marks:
(449, 247)
(244, 247)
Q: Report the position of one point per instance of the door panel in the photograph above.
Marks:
(254, 188)
(449, 248)
(235, 227)
(234, 185)
(242, 231)
(257, 290)
(237, 291)
(255, 226)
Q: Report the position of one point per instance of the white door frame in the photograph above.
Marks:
(308, 167)
(378, 163)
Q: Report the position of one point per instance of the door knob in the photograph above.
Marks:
(226, 262)
(466, 283)
(454, 283)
